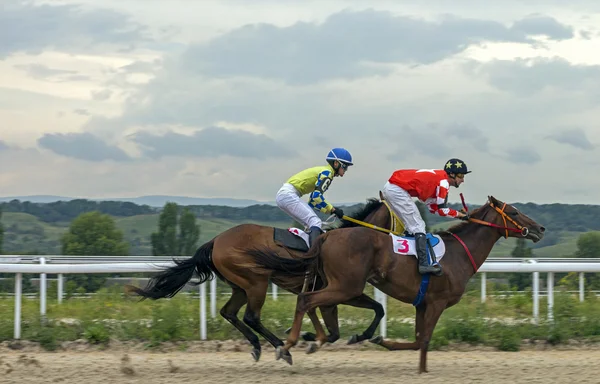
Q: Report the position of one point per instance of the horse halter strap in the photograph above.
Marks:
(519, 228)
(466, 250)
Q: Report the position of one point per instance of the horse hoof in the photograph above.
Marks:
(312, 348)
(287, 331)
(353, 339)
(255, 354)
(376, 340)
(281, 353)
(307, 336)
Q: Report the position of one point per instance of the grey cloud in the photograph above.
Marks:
(31, 28)
(543, 25)
(82, 112)
(40, 71)
(103, 95)
(211, 142)
(575, 137)
(523, 155)
(468, 134)
(83, 146)
(3, 146)
(343, 45)
(527, 76)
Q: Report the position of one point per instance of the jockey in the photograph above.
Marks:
(313, 181)
(430, 186)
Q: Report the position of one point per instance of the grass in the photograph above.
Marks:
(500, 322)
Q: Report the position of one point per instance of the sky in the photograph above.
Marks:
(229, 98)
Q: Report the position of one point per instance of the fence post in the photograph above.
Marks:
(536, 294)
(60, 288)
(43, 290)
(213, 298)
(550, 282)
(203, 311)
(581, 287)
(382, 299)
(483, 286)
(274, 291)
(18, 294)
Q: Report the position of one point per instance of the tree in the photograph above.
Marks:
(520, 280)
(176, 236)
(588, 245)
(93, 234)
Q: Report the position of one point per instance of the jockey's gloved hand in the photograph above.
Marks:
(465, 217)
(338, 212)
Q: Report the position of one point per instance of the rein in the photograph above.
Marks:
(394, 219)
(524, 231)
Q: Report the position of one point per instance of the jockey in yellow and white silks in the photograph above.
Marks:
(313, 181)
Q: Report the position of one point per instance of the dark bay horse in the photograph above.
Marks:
(348, 258)
(224, 256)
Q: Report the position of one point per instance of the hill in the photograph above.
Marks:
(38, 227)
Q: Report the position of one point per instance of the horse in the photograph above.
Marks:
(368, 256)
(224, 257)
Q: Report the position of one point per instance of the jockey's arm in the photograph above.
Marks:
(439, 205)
(317, 198)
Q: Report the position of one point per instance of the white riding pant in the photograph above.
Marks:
(288, 199)
(403, 205)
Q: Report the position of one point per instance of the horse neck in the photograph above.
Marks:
(380, 217)
(479, 240)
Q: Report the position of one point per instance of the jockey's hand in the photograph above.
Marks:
(338, 212)
(464, 216)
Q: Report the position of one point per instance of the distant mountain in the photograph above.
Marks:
(151, 200)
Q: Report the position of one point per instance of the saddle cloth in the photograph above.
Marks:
(300, 233)
(405, 245)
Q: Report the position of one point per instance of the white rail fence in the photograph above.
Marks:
(61, 265)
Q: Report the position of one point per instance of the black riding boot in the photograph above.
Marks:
(313, 234)
(424, 267)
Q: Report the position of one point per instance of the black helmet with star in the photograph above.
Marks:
(456, 166)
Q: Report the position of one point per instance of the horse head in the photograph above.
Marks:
(510, 221)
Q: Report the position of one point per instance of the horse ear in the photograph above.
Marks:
(381, 196)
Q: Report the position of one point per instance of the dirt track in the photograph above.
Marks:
(347, 366)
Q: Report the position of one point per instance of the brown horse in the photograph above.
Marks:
(367, 255)
(225, 256)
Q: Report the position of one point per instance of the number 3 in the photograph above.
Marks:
(403, 246)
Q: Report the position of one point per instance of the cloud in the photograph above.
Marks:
(528, 76)
(523, 155)
(348, 44)
(82, 112)
(3, 146)
(31, 28)
(83, 146)
(103, 95)
(468, 134)
(575, 137)
(543, 25)
(42, 72)
(211, 142)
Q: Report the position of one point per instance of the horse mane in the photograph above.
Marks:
(372, 205)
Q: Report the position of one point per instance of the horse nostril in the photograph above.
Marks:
(542, 229)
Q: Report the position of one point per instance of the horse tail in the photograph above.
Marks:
(171, 280)
(266, 260)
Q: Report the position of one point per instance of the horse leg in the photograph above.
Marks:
(432, 314)
(330, 318)
(395, 346)
(320, 337)
(256, 299)
(229, 313)
(364, 301)
(310, 300)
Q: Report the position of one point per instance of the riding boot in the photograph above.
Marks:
(424, 267)
(313, 234)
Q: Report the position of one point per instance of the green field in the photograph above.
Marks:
(26, 233)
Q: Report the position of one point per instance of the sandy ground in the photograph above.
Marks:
(346, 366)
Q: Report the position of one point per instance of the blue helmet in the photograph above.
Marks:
(341, 155)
